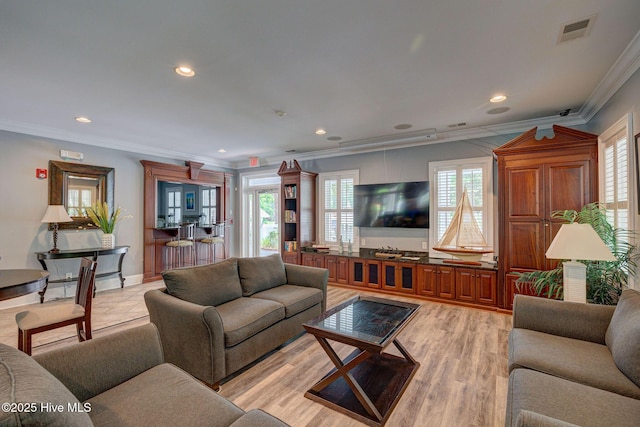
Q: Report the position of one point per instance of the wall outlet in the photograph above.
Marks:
(424, 245)
(68, 276)
(362, 242)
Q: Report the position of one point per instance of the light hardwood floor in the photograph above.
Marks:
(462, 379)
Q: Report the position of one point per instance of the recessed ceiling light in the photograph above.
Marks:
(498, 98)
(403, 126)
(184, 71)
(280, 113)
(320, 131)
(222, 150)
(83, 119)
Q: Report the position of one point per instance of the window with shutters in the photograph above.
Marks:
(448, 180)
(174, 205)
(209, 198)
(615, 177)
(335, 216)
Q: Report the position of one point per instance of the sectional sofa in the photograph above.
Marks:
(215, 319)
(116, 380)
(574, 364)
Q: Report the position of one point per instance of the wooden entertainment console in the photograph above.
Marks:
(426, 278)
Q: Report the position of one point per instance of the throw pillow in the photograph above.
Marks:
(261, 273)
(623, 335)
(210, 285)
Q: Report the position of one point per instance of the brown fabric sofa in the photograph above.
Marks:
(574, 364)
(215, 319)
(116, 380)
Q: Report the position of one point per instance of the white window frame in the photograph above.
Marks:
(625, 124)
(337, 175)
(486, 163)
(243, 220)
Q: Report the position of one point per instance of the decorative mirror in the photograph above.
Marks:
(78, 187)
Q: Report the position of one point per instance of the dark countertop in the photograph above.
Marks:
(408, 256)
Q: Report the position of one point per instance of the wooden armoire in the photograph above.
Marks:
(535, 178)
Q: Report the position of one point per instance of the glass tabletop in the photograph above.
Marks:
(366, 319)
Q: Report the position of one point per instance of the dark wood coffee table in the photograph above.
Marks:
(368, 383)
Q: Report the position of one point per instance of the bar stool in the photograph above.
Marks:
(211, 243)
(185, 239)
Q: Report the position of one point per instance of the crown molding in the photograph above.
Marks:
(499, 130)
(624, 67)
(114, 144)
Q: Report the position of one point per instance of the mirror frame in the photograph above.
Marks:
(59, 173)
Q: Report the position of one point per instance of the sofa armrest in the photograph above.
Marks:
(534, 419)
(92, 367)
(313, 277)
(586, 322)
(191, 334)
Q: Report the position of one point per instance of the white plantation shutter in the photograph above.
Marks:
(336, 210)
(448, 180)
(614, 174)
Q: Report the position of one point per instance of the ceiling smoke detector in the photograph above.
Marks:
(577, 29)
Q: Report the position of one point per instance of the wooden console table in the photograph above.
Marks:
(92, 253)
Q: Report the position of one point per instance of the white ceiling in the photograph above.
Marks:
(355, 67)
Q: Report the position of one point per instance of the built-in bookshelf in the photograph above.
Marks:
(298, 210)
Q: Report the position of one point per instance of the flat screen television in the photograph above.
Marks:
(400, 204)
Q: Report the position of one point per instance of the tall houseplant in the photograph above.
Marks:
(605, 279)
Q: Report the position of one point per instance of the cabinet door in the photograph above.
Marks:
(426, 280)
(406, 278)
(290, 258)
(331, 265)
(318, 261)
(446, 282)
(486, 287)
(342, 271)
(307, 259)
(389, 275)
(466, 284)
(357, 272)
(373, 269)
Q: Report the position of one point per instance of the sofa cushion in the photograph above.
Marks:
(294, 298)
(575, 360)
(568, 401)
(623, 335)
(242, 318)
(23, 380)
(261, 273)
(179, 401)
(211, 284)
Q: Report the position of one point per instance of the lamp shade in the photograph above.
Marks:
(56, 213)
(579, 241)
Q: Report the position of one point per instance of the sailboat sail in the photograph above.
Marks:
(463, 237)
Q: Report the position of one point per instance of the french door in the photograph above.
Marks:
(261, 226)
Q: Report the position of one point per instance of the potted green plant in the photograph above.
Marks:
(99, 214)
(605, 279)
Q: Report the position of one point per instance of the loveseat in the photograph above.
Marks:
(115, 380)
(574, 364)
(215, 319)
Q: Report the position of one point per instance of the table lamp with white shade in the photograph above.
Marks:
(577, 241)
(53, 215)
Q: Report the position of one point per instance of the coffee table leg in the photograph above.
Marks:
(404, 352)
(342, 370)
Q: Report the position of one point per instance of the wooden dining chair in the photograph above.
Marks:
(43, 318)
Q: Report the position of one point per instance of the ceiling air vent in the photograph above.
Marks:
(576, 30)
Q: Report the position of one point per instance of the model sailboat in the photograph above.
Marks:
(463, 238)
